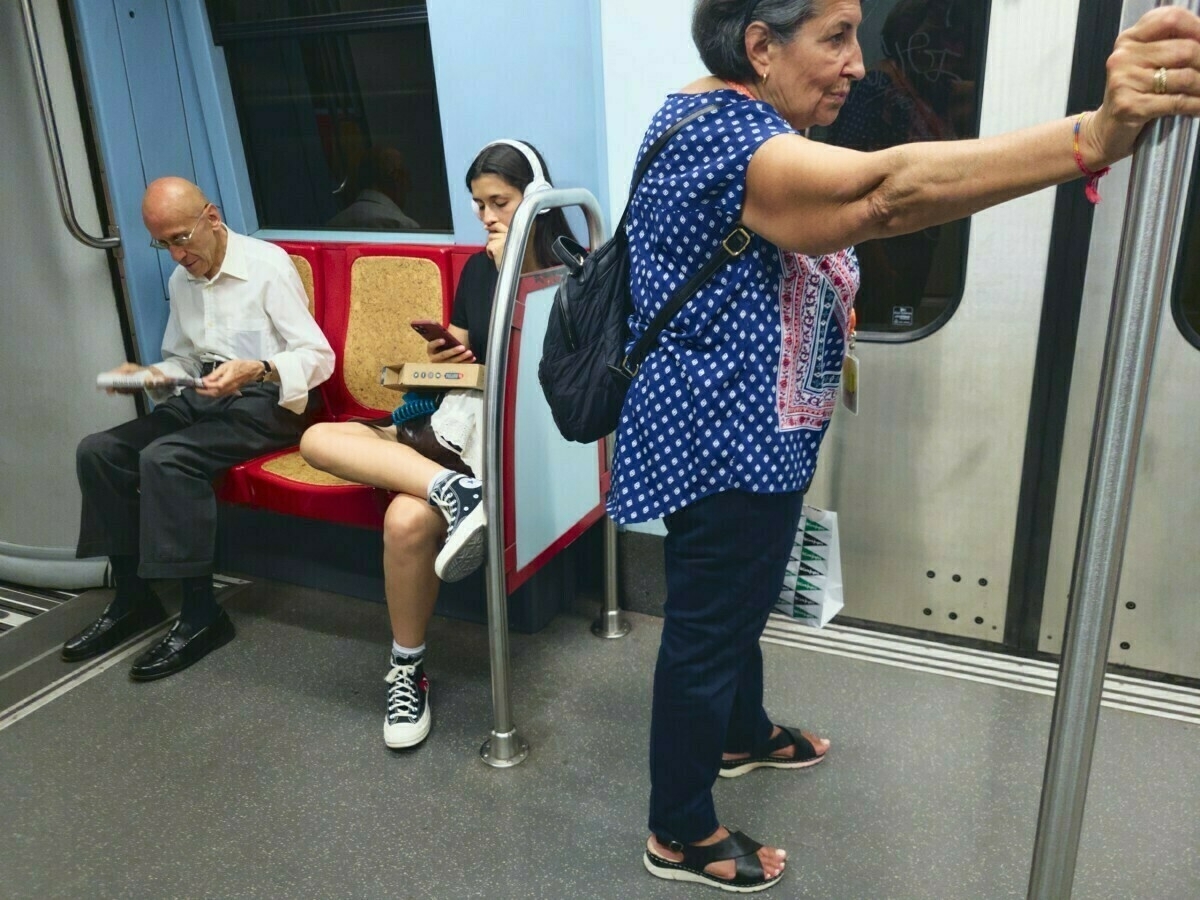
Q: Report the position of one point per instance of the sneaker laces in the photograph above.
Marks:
(404, 698)
(445, 499)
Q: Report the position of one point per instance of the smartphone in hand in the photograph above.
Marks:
(431, 331)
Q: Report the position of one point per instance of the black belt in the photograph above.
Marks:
(207, 367)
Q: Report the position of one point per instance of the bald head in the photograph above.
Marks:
(177, 213)
(174, 197)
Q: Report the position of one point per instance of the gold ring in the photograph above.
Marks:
(1160, 80)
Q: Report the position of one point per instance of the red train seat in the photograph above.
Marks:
(363, 297)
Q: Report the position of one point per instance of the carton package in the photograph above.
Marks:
(406, 376)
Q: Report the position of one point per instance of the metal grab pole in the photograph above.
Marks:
(50, 128)
(611, 623)
(1149, 246)
(506, 747)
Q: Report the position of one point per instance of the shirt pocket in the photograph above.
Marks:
(248, 336)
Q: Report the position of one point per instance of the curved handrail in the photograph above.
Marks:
(505, 747)
(50, 127)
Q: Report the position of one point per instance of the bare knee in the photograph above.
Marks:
(317, 443)
(411, 528)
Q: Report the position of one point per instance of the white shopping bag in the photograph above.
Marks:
(812, 586)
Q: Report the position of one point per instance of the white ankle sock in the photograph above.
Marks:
(437, 481)
(408, 653)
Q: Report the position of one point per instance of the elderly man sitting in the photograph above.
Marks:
(239, 326)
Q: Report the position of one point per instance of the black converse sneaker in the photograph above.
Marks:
(407, 721)
(460, 498)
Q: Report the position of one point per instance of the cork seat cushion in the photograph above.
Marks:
(304, 270)
(293, 467)
(386, 294)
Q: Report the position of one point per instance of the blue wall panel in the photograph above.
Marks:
(142, 92)
(216, 114)
(100, 42)
(520, 69)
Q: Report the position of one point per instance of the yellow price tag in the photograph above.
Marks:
(850, 383)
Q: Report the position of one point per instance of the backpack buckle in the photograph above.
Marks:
(622, 370)
(739, 238)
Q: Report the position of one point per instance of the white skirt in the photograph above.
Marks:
(458, 426)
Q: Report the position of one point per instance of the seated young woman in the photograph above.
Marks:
(434, 528)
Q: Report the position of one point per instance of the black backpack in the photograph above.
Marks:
(584, 371)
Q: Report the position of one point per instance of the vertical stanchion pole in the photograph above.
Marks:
(1149, 246)
(611, 623)
(506, 748)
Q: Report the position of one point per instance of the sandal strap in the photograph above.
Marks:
(739, 847)
(804, 748)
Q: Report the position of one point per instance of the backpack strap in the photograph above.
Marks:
(655, 149)
(733, 246)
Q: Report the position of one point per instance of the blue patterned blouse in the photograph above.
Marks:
(740, 389)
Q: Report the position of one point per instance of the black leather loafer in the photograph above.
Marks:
(109, 631)
(182, 646)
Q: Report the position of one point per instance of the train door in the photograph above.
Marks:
(928, 478)
(960, 484)
(1157, 624)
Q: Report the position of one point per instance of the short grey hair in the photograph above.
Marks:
(719, 31)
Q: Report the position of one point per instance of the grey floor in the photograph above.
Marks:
(261, 772)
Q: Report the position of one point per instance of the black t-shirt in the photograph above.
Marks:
(473, 301)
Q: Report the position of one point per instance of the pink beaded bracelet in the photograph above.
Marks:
(1090, 188)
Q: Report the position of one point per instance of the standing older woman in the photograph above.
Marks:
(721, 427)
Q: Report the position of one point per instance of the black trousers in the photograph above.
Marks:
(725, 556)
(147, 484)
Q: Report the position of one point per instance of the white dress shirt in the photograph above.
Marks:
(253, 308)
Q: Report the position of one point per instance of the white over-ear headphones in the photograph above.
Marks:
(540, 182)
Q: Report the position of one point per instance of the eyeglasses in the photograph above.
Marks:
(180, 240)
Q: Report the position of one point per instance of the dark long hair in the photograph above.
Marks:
(511, 165)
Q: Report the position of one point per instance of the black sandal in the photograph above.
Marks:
(737, 846)
(805, 755)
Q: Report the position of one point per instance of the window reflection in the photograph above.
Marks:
(923, 60)
(380, 190)
(1187, 280)
(341, 127)
(225, 13)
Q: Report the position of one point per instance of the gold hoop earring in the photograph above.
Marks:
(765, 76)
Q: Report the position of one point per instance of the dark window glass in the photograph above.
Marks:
(924, 60)
(226, 13)
(338, 113)
(1186, 304)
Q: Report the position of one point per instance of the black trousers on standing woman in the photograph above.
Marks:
(726, 555)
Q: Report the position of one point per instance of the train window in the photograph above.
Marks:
(338, 112)
(924, 60)
(1186, 303)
